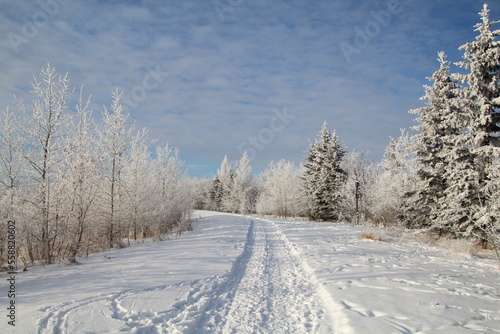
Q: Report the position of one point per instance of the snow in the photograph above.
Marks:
(248, 274)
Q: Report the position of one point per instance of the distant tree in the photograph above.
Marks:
(223, 188)
(323, 176)
(172, 203)
(242, 186)
(358, 191)
(281, 191)
(200, 190)
(216, 194)
(225, 175)
(396, 181)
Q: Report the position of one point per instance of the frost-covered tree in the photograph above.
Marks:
(225, 175)
(486, 218)
(281, 191)
(137, 185)
(81, 182)
(216, 194)
(440, 124)
(323, 176)
(358, 191)
(200, 190)
(115, 139)
(219, 196)
(471, 171)
(482, 90)
(44, 130)
(172, 205)
(9, 161)
(10, 169)
(396, 182)
(241, 191)
(73, 187)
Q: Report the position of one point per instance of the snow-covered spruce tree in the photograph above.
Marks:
(358, 191)
(323, 176)
(216, 195)
(241, 192)
(440, 124)
(43, 132)
(487, 214)
(396, 182)
(115, 139)
(281, 190)
(220, 190)
(482, 91)
(472, 173)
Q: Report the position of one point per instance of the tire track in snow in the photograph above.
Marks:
(275, 294)
(334, 310)
(267, 291)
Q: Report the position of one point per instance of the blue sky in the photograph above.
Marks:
(218, 77)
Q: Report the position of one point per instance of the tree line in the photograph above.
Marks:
(75, 184)
(445, 177)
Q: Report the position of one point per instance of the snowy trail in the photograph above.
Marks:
(275, 294)
(247, 274)
(267, 290)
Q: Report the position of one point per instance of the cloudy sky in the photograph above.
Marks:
(218, 77)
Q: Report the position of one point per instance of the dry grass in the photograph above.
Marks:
(469, 247)
(373, 234)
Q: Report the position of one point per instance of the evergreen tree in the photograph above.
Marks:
(482, 59)
(216, 195)
(440, 124)
(323, 176)
(471, 171)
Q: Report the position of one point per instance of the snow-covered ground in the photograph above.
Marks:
(241, 274)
